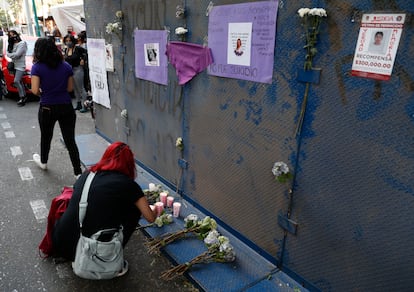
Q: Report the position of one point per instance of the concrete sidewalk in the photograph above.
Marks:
(26, 192)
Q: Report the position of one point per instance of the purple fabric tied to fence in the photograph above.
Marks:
(188, 59)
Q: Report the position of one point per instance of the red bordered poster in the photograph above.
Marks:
(377, 45)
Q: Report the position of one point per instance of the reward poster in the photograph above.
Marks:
(377, 45)
(242, 40)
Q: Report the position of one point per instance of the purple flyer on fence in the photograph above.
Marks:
(150, 60)
(242, 40)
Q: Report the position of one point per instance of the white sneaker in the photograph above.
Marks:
(36, 159)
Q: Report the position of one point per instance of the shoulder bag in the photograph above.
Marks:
(100, 256)
(10, 67)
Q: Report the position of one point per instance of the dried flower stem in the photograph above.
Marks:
(182, 268)
(303, 110)
(155, 244)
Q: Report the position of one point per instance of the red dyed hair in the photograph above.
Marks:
(117, 157)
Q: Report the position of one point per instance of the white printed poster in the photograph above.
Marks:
(239, 43)
(97, 71)
(377, 45)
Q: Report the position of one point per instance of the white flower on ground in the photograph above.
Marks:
(190, 221)
(208, 221)
(212, 238)
(168, 218)
(158, 222)
(163, 219)
(223, 239)
(229, 254)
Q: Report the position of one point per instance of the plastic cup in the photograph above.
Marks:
(163, 198)
(176, 209)
(170, 201)
(159, 207)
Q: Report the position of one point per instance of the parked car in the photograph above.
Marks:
(7, 78)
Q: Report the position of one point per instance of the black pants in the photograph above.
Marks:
(65, 115)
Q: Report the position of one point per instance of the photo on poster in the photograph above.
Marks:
(150, 59)
(109, 61)
(378, 41)
(239, 43)
(151, 51)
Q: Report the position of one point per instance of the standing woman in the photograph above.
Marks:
(52, 80)
(16, 50)
(75, 55)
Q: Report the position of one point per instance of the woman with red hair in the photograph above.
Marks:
(114, 199)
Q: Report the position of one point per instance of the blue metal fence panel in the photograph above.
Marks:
(354, 162)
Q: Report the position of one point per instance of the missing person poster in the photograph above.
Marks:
(377, 45)
(150, 60)
(97, 71)
(242, 40)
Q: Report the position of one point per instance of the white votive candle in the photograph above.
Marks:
(151, 187)
(176, 209)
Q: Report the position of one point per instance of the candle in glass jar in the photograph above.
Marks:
(170, 201)
(163, 198)
(159, 207)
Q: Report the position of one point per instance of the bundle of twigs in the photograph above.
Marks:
(155, 244)
(172, 273)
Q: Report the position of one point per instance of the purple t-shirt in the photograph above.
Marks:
(53, 82)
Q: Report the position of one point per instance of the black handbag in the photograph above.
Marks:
(10, 66)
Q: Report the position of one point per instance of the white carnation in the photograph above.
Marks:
(181, 30)
(303, 11)
(168, 218)
(191, 217)
(280, 168)
(119, 14)
(212, 238)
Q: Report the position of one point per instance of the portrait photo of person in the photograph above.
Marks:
(239, 43)
(151, 52)
(238, 51)
(377, 44)
(152, 55)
